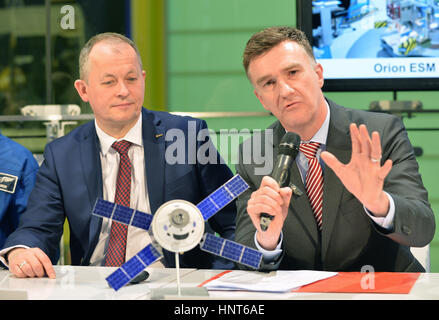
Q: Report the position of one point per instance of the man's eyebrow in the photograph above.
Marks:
(113, 76)
(268, 76)
(132, 72)
(263, 79)
(291, 66)
(108, 75)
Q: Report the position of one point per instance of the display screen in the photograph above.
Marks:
(374, 44)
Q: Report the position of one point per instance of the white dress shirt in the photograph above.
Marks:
(302, 164)
(137, 238)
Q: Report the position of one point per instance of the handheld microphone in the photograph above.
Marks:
(288, 149)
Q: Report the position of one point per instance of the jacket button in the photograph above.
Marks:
(406, 230)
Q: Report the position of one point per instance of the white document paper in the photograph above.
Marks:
(278, 281)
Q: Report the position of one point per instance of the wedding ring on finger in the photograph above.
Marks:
(375, 160)
(22, 264)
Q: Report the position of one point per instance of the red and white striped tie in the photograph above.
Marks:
(314, 180)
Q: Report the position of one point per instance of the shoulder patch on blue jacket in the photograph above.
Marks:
(8, 182)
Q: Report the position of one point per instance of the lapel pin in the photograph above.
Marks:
(296, 191)
(158, 135)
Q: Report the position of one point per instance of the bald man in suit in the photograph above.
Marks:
(82, 166)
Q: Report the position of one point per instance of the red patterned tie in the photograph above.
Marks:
(118, 236)
(314, 180)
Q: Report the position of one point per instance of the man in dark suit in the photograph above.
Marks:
(83, 165)
(363, 201)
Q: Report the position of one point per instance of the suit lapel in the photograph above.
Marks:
(339, 144)
(92, 171)
(300, 208)
(153, 133)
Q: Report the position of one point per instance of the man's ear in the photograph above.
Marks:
(319, 72)
(81, 87)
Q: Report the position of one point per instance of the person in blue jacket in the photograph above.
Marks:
(18, 169)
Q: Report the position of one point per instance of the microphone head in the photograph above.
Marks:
(289, 144)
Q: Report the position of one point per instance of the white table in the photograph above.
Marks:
(88, 283)
(82, 283)
(426, 287)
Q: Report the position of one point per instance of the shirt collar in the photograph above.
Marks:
(322, 134)
(134, 135)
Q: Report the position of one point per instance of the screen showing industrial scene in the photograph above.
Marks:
(376, 38)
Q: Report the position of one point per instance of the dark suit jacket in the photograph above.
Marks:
(70, 180)
(349, 238)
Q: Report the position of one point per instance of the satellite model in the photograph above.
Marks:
(178, 226)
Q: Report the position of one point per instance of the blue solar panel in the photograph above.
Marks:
(231, 250)
(250, 256)
(212, 244)
(130, 269)
(149, 254)
(133, 267)
(122, 214)
(236, 185)
(118, 279)
(103, 208)
(207, 208)
(222, 196)
(142, 220)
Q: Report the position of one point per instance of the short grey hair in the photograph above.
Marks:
(111, 37)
